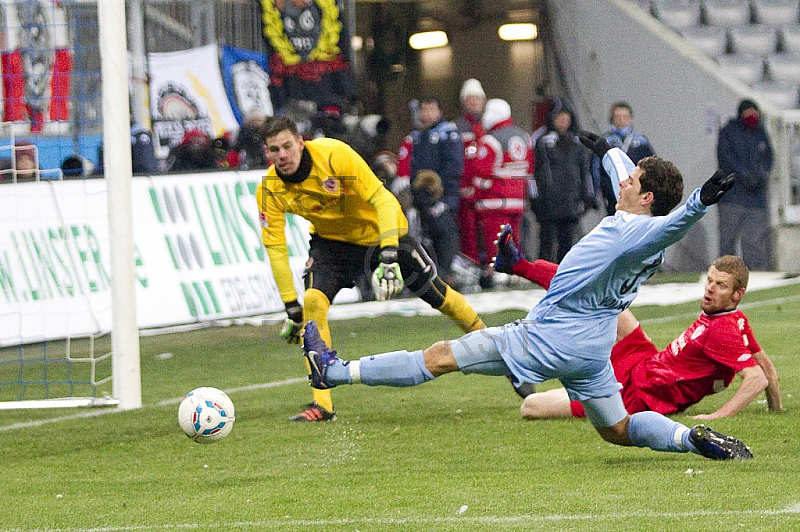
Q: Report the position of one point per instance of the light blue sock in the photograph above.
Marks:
(398, 368)
(660, 433)
(339, 372)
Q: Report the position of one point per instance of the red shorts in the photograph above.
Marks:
(625, 355)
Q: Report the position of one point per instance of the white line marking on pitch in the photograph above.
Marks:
(174, 401)
(486, 520)
(82, 415)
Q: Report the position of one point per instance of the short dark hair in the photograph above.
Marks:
(735, 266)
(619, 105)
(664, 180)
(276, 124)
(431, 99)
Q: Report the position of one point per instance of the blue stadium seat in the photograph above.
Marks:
(784, 67)
(711, 40)
(726, 13)
(758, 39)
(790, 38)
(776, 12)
(747, 68)
(781, 93)
(677, 14)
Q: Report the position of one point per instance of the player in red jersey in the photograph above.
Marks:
(701, 361)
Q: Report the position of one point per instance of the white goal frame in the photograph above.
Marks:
(125, 357)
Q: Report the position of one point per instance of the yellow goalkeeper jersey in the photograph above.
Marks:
(334, 198)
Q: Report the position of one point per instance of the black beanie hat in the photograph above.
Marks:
(747, 104)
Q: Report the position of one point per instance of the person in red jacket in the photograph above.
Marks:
(505, 163)
(473, 102)
(701, 361)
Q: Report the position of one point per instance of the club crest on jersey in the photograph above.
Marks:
(262, 219)
(330, 185)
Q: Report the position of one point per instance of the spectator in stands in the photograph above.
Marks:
(473, 101)
(143, 157)
(563, 183)
(250, 143)
(25, 165)
(437, 225)
(504, 163)
(744, 148)
(436, 146)
(195, 152)
(76, 167)
(225, 154)
(622, 136)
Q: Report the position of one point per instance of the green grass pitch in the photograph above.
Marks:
(448, 455)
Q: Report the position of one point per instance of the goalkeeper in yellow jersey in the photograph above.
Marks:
(358, 228)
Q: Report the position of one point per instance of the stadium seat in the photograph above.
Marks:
(758, 39)
(747, 68)
(784, 67)
(781, 93)
(726, 13)
(790, 38)
(711, 40)
(776, 12)
(677, 14)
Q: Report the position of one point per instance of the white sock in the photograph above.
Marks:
(355, 371)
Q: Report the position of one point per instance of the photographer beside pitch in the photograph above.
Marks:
(569, 334)
(702, 361)
(358, 228)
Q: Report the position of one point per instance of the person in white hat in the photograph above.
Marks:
(473, 101)
(504, 163)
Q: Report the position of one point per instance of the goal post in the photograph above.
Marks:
(116, 133)
(68, 321)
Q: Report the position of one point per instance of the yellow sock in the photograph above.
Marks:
(455, 307)
(315, 307)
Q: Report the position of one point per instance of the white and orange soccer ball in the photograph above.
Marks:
(206, 415)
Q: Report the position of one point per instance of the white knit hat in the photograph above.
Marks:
(472, 87)
(496, 111)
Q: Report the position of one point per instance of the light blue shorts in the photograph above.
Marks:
(518, 351)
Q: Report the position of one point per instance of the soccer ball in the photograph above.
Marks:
(206, 415)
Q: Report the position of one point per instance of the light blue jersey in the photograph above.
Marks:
(597, 279)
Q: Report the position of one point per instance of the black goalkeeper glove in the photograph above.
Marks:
(293, 326)
(594, 142)
(387, 280)
(716, 187)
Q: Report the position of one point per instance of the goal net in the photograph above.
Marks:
(66, 309)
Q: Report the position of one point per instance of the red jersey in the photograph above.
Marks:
(701, 361)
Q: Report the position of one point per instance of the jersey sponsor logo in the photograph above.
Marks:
(262, 219)
(330, 184)
(517, 148)
(740, 323)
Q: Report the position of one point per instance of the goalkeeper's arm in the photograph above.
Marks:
(282, 272)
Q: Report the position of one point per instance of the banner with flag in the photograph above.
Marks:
(36, 63)
(186, 93)
(244, 73)
(309, 48)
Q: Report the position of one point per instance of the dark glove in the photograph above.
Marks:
(716, 187)
(594, 142)
(293, 326)
(387, 280)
